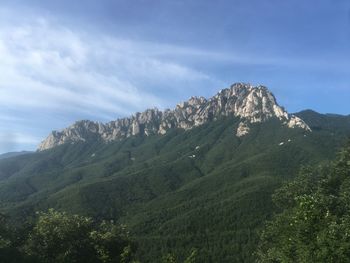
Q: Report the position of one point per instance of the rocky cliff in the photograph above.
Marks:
(250, 104)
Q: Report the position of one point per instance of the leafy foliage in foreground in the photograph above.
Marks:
(11, 241)
(59, 237)
(314, 225)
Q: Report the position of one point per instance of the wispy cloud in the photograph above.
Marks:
(53, 74)
(15, 141)
(47, 67)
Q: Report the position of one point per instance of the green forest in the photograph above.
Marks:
(147, 199)
(314, 220)
(312, 225)
(174, 131)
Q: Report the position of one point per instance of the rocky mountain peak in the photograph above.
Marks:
(248, 103)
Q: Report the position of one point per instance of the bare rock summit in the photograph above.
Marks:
(248, 103)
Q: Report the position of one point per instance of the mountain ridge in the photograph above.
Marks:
(203, 188)
(13, 154)
(252, 104)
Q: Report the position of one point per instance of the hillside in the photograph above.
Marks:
(12, 154)
(203, 187)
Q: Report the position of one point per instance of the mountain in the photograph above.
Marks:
(195, 186)
(250, 104)
(13, 154)
(331, 122)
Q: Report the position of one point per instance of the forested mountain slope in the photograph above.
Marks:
(203, 187)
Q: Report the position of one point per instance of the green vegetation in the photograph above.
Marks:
(60, 237)
(314, 225)
(171, 203)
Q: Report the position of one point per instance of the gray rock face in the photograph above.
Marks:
(250, 104)
(243, 129)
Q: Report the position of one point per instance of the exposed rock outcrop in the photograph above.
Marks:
(251, 104)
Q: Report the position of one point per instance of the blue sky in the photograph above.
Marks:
(61, 61)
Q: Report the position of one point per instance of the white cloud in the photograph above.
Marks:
(15, 141)
(47, 70)
(48, 66)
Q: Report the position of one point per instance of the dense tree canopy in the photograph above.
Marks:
(60, 237)
(170, 201)
(314, 223)
(4, 233)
